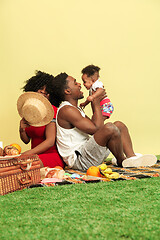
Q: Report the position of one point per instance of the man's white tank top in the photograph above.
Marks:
(69, 140)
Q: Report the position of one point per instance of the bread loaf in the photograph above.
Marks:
(10, 150)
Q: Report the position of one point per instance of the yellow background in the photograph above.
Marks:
(121, 37)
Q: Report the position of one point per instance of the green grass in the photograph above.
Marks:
(106, 210)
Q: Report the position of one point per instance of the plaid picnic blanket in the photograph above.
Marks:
(75, 176)
(128, 173)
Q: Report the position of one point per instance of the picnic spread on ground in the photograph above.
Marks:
(23, 171)
(74, 176)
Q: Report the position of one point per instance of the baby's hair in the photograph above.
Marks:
(90, 70)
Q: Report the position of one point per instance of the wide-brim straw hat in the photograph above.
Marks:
(35, 109)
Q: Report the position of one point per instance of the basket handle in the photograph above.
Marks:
(27, 168)
(24, 180)
(27, 162)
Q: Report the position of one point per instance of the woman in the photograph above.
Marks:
(42, 138)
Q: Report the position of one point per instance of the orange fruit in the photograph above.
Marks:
(59, 167)
(16, 146)
(93, 171)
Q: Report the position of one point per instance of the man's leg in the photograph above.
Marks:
(109, 135)
(126, 139)
(132, 160)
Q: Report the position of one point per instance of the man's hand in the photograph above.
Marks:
(99, 95)
(103, 95)
(90, 98)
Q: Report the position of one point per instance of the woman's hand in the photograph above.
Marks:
(23, 134)
(23, 125)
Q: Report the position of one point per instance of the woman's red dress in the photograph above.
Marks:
(51, 157)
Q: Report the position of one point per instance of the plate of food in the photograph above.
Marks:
(7, 157)
(10, 151)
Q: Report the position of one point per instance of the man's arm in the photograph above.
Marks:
(69, 117)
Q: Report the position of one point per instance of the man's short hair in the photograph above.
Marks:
(90, 70)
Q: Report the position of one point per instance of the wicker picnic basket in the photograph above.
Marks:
(18, 173)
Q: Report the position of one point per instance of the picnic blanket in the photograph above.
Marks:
(75, 176)
(129, 173)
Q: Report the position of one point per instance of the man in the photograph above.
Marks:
(78, 149)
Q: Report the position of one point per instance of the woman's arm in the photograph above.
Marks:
(50, 135)
(23, 135)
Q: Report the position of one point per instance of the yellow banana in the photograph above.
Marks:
(103, 166)
(114, 175)
(108, 170)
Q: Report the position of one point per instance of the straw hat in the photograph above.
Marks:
(35, 109)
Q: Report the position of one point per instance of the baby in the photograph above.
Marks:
(91, 81)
